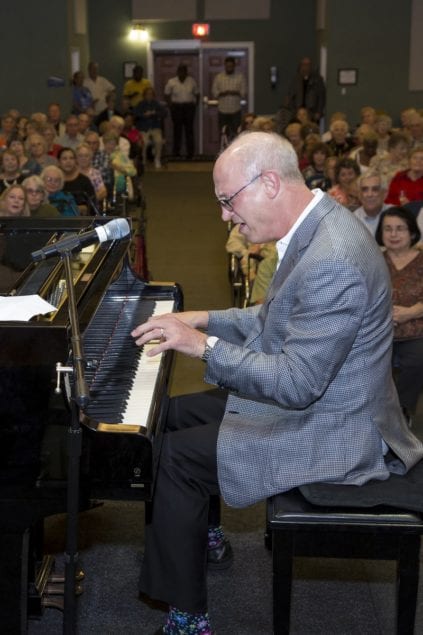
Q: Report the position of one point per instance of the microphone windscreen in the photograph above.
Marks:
(114, 230)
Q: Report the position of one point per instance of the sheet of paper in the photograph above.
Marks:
(23, 307)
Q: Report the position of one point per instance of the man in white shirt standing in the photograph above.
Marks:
(229, 88)
(99, 87)
(372, 192)
(181, 93)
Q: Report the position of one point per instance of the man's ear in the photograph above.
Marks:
(272, 183)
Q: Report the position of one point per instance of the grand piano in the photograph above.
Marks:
(123, 420)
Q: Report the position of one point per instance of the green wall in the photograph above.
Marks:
(34, 45)
(374, 38)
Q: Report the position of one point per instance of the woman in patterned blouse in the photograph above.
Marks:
(399, 233)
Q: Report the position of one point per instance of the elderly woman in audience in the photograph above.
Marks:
(395, 159)
(407, 186)
(364, 153)
(100, 160)
(76, 183)
(340, 143)
(36, 194)
(345, 190)
(398, 233)
(84, 158)
(10, 173)
(13, 202)
(53, 180)
(38, 159)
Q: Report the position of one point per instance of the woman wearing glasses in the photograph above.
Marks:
(37, 198)
(398, 232)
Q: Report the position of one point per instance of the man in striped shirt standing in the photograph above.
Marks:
(229, 88)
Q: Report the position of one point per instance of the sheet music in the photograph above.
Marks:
(23, 307)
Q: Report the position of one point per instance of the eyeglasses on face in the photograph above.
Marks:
(226, 201)
(31, 191)
(400, 229)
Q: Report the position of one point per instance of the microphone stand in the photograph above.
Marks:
(79, 398)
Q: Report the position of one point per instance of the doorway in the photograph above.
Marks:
(204, 60)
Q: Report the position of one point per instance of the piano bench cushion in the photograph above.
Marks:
(400, 491)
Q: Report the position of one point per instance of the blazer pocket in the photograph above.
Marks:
(306, 449)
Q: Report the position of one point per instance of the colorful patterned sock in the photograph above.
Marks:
(215, 537)
(183, 623)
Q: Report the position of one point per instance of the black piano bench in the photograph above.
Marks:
(380, 520)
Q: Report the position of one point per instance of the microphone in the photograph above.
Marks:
(113, 230)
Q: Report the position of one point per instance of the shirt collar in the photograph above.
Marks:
(282, 244)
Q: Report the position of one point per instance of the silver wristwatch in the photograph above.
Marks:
(210, 342)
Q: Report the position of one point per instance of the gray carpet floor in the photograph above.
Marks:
(185, 242)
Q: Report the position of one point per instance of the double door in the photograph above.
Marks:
(203, 60)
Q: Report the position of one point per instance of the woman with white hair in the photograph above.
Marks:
(36, 194)
(53, 180)
(36, 147)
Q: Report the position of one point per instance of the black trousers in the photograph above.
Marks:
(175, 557)
(232, 123)
(408, 371)
(183, 121)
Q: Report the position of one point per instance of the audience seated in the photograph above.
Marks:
(416, 130)
(84, 158)
(108, 112)
(368, 115)
(17, 146)
(371, 191)
(407, 185)
(336, 116)
(54, 118)
(394, 159)
(294, 136)
(71, 137)
(340, 143)
(38, 159)
(314, 173)
(265, 270)
(100, 160)
(238, 245)
(345, 189)
(247, 121)
(49, 134)
(123, 167)
(383, 128)
(13, 202)
(7, 132)
(10, 171)
(399, 234)
(364, 153)
(265, 124)
(37, 198)
(76, 183)
(53, 180)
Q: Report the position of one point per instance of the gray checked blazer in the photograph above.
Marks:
(309, 372)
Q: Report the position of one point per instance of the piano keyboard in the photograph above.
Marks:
(122, 382)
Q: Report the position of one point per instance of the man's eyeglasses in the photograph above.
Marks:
(226, 202)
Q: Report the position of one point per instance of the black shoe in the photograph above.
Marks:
(220, 557)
